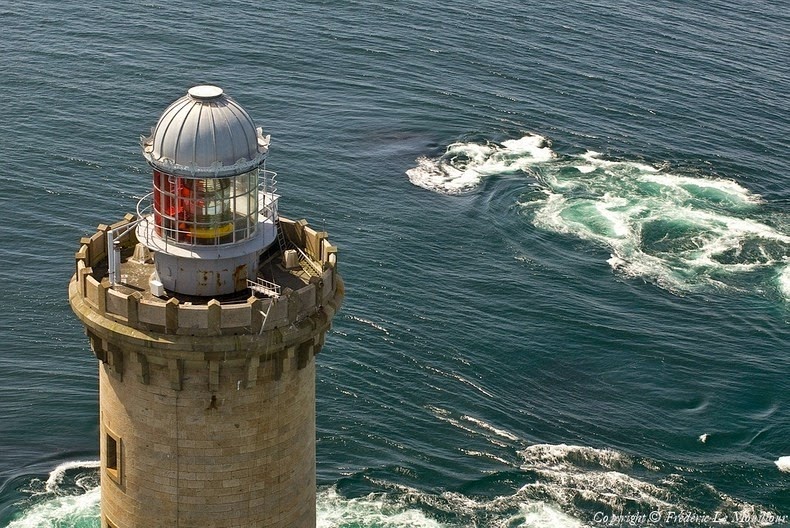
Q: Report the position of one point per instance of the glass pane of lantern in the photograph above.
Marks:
(205, 211)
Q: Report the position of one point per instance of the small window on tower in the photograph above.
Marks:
(109, 523)
(112, 455)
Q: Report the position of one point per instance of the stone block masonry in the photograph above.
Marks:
(207, 410)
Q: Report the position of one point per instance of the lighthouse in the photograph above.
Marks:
(205, 309)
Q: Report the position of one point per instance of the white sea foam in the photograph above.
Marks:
(715, 190)
(584, 169)
(571, 473)
(563, 455)
(481, 428)
(56, 475)
(489, 427)
(70, 494)
(404, 506)
(401, 507)
(783, 278)
(334, 511)
(567, 474)
(368, 322)
(681, 232)
(534, 146)
(463, 166)
(60, 511)
(783, 463)
(744, 513)
(594, 158)
(486, 455)
(445, 416)
(475, 386)
(538, 514)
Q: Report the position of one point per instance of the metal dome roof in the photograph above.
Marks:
(205, 134)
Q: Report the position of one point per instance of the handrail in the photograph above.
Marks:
(316, 268)
(114, 250)
(267, 180)
(267, 207)
(143, 213)
(265, 287)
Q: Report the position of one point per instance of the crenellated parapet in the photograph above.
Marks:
(287, 330)
(171, 316)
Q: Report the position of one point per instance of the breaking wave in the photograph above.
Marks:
(601, 485)
(570, 475)
(335, 511)
(558, 486)
(464, 165)
(681, 232)
(398, 507)
(555, 486)
(403, 506)
(77, 511)
(68, 498)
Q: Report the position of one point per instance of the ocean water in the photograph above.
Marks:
(564, 230)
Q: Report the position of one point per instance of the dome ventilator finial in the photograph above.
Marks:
(205, 92)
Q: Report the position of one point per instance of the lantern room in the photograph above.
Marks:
(205, 211)
(212, 209)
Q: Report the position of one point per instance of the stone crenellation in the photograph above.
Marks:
(171, 316)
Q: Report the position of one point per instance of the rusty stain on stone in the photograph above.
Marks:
(240, 277)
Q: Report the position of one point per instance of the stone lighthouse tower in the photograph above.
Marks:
(205, 310)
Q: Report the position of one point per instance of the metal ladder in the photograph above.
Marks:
(281, 241)
(281, 236)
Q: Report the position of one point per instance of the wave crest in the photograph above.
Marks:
(463, 166)
(69, 497)
(681, 232)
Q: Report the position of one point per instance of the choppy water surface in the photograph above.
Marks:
(564, 231)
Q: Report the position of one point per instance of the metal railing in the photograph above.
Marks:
(114, 237)
(145, 206)
(308, 265)
(265, 287)
(267, 188)
(268, 202)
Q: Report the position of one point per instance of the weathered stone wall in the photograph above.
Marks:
(241, 455)
(212, 412)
